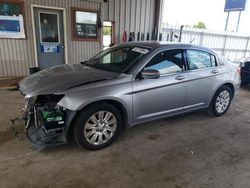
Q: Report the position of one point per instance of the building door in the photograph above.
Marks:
(108, 34)
(49, 37)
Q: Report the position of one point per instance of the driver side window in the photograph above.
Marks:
(167, 62)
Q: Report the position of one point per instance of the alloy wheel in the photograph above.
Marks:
(222, 101)
(100, 127)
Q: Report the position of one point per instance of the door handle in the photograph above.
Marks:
(214, 71)
(180, 77)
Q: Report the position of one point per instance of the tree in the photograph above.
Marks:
(106, 30)
(200, 25)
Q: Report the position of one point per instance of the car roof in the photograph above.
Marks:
(156, 44)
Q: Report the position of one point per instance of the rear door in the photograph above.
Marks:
(203, 71)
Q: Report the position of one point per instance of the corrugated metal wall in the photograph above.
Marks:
(135, 16)
(16, 56)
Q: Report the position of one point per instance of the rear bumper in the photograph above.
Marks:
(245, 76)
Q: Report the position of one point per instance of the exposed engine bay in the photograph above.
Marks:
(45, 121)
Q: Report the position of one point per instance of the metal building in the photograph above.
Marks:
(44, 33)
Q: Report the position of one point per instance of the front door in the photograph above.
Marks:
(156, 98)
(49, 33)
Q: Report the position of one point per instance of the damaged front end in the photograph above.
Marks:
(46, 122)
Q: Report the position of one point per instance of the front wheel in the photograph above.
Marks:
(97, 126)
(221, 101)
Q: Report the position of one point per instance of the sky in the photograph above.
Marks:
(211, 12)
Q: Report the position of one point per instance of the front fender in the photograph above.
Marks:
(79, 99)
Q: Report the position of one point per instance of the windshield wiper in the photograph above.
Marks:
(92, 65)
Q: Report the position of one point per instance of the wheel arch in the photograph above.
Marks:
(115, 103)
(229, 84)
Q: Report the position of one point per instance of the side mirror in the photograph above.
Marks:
(150, 74)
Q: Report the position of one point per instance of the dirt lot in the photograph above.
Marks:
(194, 150)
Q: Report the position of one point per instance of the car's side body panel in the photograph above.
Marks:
(154, 98)
(119, 90)
(202, 83)
(148, 99)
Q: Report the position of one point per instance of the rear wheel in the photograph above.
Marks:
(221, 101)
(97, 126)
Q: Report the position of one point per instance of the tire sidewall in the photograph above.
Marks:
(215, 112)
(84, 115)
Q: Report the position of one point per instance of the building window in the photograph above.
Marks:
(12, 19)
(49, 27)
(84, 25)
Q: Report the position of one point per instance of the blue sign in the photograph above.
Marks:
(235, 5)
(50, 48)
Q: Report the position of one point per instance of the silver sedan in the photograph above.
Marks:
(123, 86)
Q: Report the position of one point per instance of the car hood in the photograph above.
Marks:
(62, 77)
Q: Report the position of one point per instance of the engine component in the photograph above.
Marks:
(52, 120)
(45, 122)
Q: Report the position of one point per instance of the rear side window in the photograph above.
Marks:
(167, 62)
(223, 60)
(200, 59)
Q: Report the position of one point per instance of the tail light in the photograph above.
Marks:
(239, 70)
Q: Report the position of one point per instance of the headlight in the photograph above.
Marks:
(28, 102)
(49, 99)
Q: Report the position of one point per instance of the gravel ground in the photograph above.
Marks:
(193, 150)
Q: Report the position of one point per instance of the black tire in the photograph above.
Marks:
(83, 117)
(212, 108)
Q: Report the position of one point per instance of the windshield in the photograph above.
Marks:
(117, 59)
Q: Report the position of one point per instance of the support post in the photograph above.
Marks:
(245, 54)
(224, 45)
(201, 38)
(228, 13)
(238, 23)
(180, 36)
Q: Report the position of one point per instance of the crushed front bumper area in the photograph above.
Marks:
(41, 140)
(43, 134)
(46, 123)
